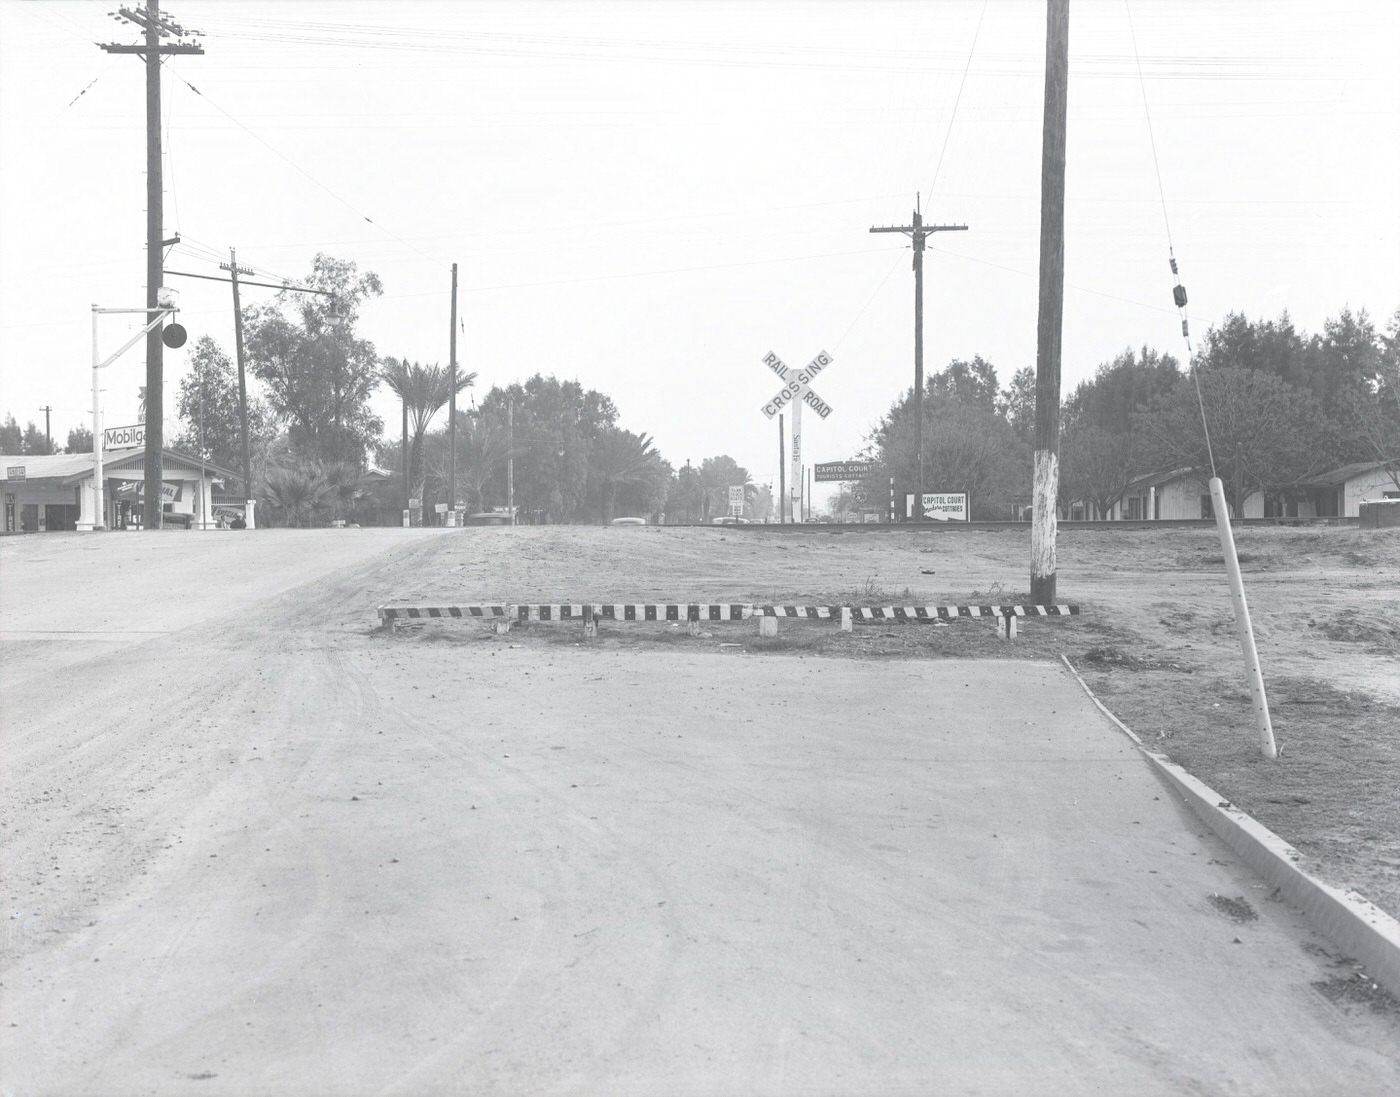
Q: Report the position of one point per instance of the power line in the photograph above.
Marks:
(297, 167)
(958, 99)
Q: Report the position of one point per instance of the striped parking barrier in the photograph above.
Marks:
(694, 613)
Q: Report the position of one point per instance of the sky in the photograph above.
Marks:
(648, 197)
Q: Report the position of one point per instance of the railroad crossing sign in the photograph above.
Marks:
(796, 391)
(797, 384)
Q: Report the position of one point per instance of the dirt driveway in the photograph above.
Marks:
(255, 846)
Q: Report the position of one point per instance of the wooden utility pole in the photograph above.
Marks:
(151, 50)
(919, 232)
(407, 485)
(452, 404)
(234, 271)
(1052, 299)
(48, 428)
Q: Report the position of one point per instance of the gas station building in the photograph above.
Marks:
(55, 492)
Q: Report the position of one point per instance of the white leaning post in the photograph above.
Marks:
(845, 618)
(1243, 628)
(590, 623)
(767, 626)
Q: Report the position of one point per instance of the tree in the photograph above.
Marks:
(972, 383)
(79, 440)
(625, 467)
(1016, 404)
(555, 425)
(1119, 389)
(208, 407)
(1371, 415)
(482, 451)
(1266, 435)
(717, 476)
(967, 448)
(11, 437)
(1097, 465)
(342, 482)
(298, 491)
(35, 440)
(685, 495)
(423, 390)
(319, 376)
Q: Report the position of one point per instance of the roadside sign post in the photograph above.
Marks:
(796, 391)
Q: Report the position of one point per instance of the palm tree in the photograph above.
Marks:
(298, 490)
(342, 480)
(423, 390)
(619, 458)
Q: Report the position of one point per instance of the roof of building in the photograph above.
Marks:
(1157, 479)
(1352, 471)
(127, 462)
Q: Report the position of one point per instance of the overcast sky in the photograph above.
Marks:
(649, 196)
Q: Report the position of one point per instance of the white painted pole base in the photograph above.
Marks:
(768, 626)
(845, 618)
(1006, 626)
(590, 624)
(502, 623)
(1243, 628)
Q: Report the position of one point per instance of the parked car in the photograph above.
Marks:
(628, 522)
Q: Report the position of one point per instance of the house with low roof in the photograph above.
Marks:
(1340, 493)
(47, 493)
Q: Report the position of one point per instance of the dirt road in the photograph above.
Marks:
(254, 847)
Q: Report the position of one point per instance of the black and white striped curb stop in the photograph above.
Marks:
(694, 613)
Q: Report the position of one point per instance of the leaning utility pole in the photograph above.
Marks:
(1052, 300)
(919, 232)
(151, 50)
(452, 405)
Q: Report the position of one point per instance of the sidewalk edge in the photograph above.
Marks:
(1351, 921)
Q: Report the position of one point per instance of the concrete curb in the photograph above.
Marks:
(1351, 921)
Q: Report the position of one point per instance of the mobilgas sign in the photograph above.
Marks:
(837, 471)
(124, 437)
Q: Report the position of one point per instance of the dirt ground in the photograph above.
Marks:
(255, 844)
(1155, 641)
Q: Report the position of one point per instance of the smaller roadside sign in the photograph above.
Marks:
(736, 499)
(831, 472)
(14, 472)
(415, 504)
(943, 507)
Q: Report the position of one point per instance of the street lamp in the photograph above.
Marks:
(173, 336)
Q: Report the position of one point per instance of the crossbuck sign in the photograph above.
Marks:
(796, 391)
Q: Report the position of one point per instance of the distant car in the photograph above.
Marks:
(729, 520)
(628, 522)
(488, 518)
